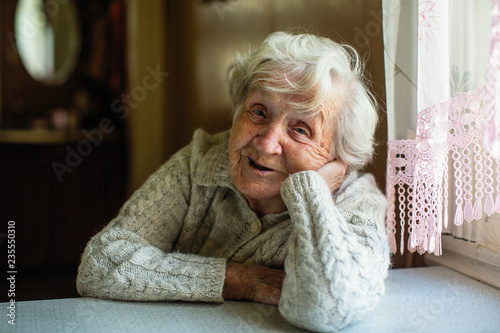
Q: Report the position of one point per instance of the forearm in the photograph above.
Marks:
(332, 277)
(118, 264)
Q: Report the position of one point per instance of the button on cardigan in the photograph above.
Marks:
(171, 240)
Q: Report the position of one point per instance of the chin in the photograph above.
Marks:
(258, 192)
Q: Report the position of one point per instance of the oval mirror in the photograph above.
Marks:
(48, 38)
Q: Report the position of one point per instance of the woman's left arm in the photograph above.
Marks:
(338, 255)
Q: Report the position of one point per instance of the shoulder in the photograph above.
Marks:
(191, 157)
(201, 145)
(360, 189)
(204, 142)
(209, 161)
(358, 182)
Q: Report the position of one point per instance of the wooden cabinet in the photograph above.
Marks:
(54, 219)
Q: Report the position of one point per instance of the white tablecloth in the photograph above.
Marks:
(430, 299)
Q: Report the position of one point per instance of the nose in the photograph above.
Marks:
(269, 140)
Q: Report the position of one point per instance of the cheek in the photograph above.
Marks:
(306, 158)
(242, 133)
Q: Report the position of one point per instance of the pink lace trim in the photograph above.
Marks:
(448, 137)
(418, 172)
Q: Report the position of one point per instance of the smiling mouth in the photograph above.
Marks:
(258, 166)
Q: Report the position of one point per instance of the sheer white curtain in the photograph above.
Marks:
(442, 63)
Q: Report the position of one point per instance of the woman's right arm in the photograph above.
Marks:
(131, 259)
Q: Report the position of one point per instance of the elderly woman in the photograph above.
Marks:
(273, 210)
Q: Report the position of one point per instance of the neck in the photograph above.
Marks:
(269, 206)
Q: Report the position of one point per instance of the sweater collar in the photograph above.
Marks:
(216, 166)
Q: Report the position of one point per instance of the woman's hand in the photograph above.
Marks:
(253, 282)
(333, 173)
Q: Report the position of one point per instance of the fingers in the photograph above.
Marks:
(253, 282)
(264, 293)
(336, 166)
(333, 173)
(265, 285)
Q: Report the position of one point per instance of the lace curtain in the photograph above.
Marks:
(442, 60)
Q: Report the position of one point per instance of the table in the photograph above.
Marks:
(427, 299)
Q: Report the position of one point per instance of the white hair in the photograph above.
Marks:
(308, 65)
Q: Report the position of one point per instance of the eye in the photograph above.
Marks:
(259, 113)
(302, 130)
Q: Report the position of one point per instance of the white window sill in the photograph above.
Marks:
(473, 260)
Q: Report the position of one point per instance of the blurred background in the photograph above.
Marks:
(96, 95)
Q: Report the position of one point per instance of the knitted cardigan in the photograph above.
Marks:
(171, 240)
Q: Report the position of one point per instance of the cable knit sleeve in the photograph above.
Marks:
(130, 258)
(338, 254)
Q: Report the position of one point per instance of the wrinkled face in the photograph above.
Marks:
(269, 141)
